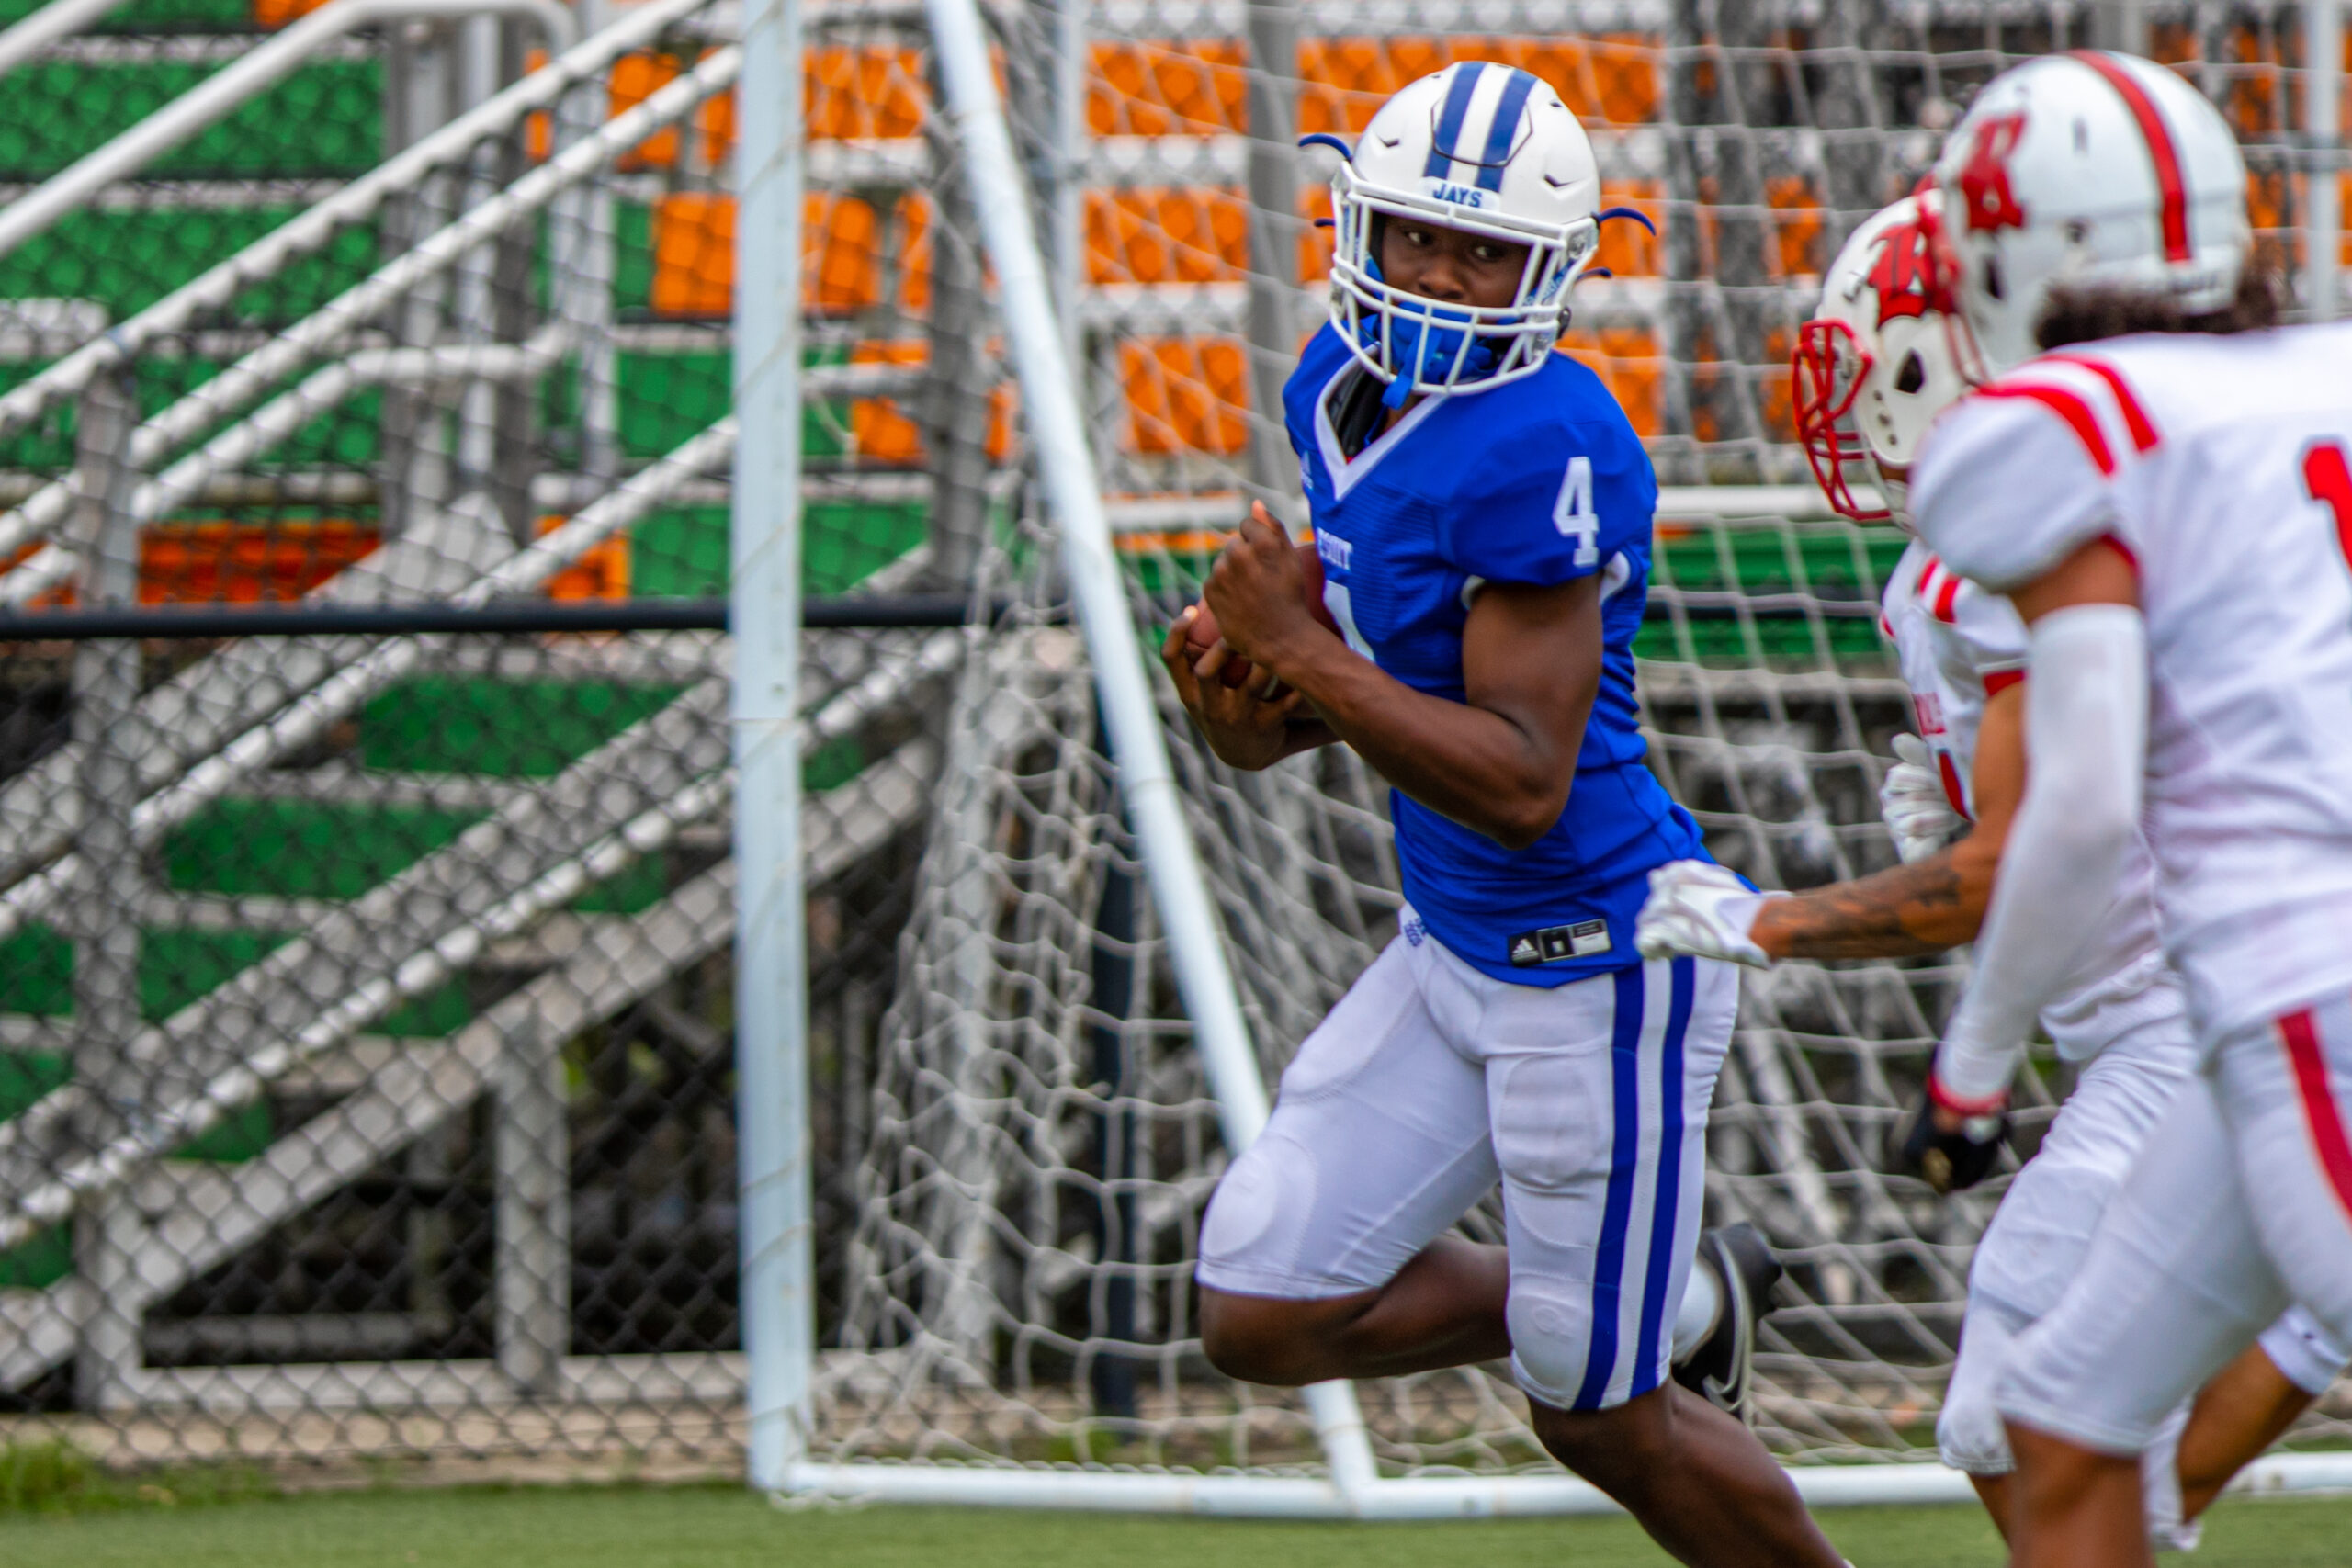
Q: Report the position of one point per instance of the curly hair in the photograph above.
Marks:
(2088, 314)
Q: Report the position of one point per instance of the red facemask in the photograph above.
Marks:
(1828, 368)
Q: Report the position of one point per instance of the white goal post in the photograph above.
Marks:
(787, 1373)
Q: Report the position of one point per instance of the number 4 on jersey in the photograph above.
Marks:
(1574, 514)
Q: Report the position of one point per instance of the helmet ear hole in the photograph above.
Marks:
(1912, 375)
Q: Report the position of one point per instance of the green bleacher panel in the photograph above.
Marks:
(632, 256)
(40, 1263)
(666, 399)
(682, 552)
(302, 849)
(154, 15)
(126, 259)
(1825, 561)
(175, 968)
(323, 120)
(348, 435)
(506, 729)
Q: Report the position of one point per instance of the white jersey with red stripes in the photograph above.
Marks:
(2222, 467)
(1959, 644)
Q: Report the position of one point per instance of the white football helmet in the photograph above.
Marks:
(1875, 364)
(1483, 148)
(2089, 168)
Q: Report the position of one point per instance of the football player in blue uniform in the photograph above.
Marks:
(1481, 515)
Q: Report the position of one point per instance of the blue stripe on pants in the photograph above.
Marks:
(1667, 1200)
(1624, 1156)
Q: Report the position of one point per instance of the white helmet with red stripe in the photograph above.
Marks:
(1875, 364)
(2090, 168)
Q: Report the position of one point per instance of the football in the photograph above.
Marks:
(1202, 635)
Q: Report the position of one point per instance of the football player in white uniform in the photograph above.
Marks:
(1872, 370)
(2167, 501)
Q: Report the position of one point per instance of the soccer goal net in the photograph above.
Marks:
(371, 1041)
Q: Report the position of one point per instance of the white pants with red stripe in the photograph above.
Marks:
(2240, 1204)
(2042, 1231)
(1428, 1083)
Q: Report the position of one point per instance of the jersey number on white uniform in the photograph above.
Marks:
(1574, 514)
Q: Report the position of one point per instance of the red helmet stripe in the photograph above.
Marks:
(2136, 418)
(2077, 414)
(2160, 148)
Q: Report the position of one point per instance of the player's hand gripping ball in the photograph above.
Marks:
(1948, 1150)
(1202, 635)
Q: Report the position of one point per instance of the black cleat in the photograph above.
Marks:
(1746, 1270)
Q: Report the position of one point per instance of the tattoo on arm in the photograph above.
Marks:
(1904, 911)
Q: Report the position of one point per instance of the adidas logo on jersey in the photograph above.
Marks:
(1557, 944)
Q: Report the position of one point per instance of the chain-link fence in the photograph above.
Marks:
(366, 994)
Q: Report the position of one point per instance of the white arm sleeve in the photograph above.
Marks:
(2086, 728)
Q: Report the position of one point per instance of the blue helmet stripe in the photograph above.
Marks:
(1450, 119)
(1504, 132)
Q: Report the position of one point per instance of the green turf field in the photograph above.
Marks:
(715, 1527)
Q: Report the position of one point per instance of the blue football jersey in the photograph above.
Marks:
(1537, 480)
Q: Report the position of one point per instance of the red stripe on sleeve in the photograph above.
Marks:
(2071, 408)
(2302, 1039)
(1926, 575)
(2136, 418)
(2174, 194)
(1945, 598)
(2000, 680)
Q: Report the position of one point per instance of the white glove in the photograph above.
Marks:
(1913, 803)
(1702, 910)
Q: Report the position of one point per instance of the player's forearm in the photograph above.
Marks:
(1905, 912)
(1466, 764)
(1253, 749)
(2086, 728)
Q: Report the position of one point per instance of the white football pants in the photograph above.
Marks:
(2042, 1231)
(2241, 1204)
(1428, 1083)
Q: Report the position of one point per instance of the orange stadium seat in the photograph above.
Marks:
(1166, 235)
(220, 562)
(1775, 401)
(1613, 79)
(1186, 394)
(715, 123)
(637, 77)
(881, 432)
(1627, 249)
(601, 572)
(873, 91)
(1631, 362)
(1154, 88)
(694, 255)
(1315, 243)
(271, 15)
(2277, 238)
(1797, 232)
(913, 252)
